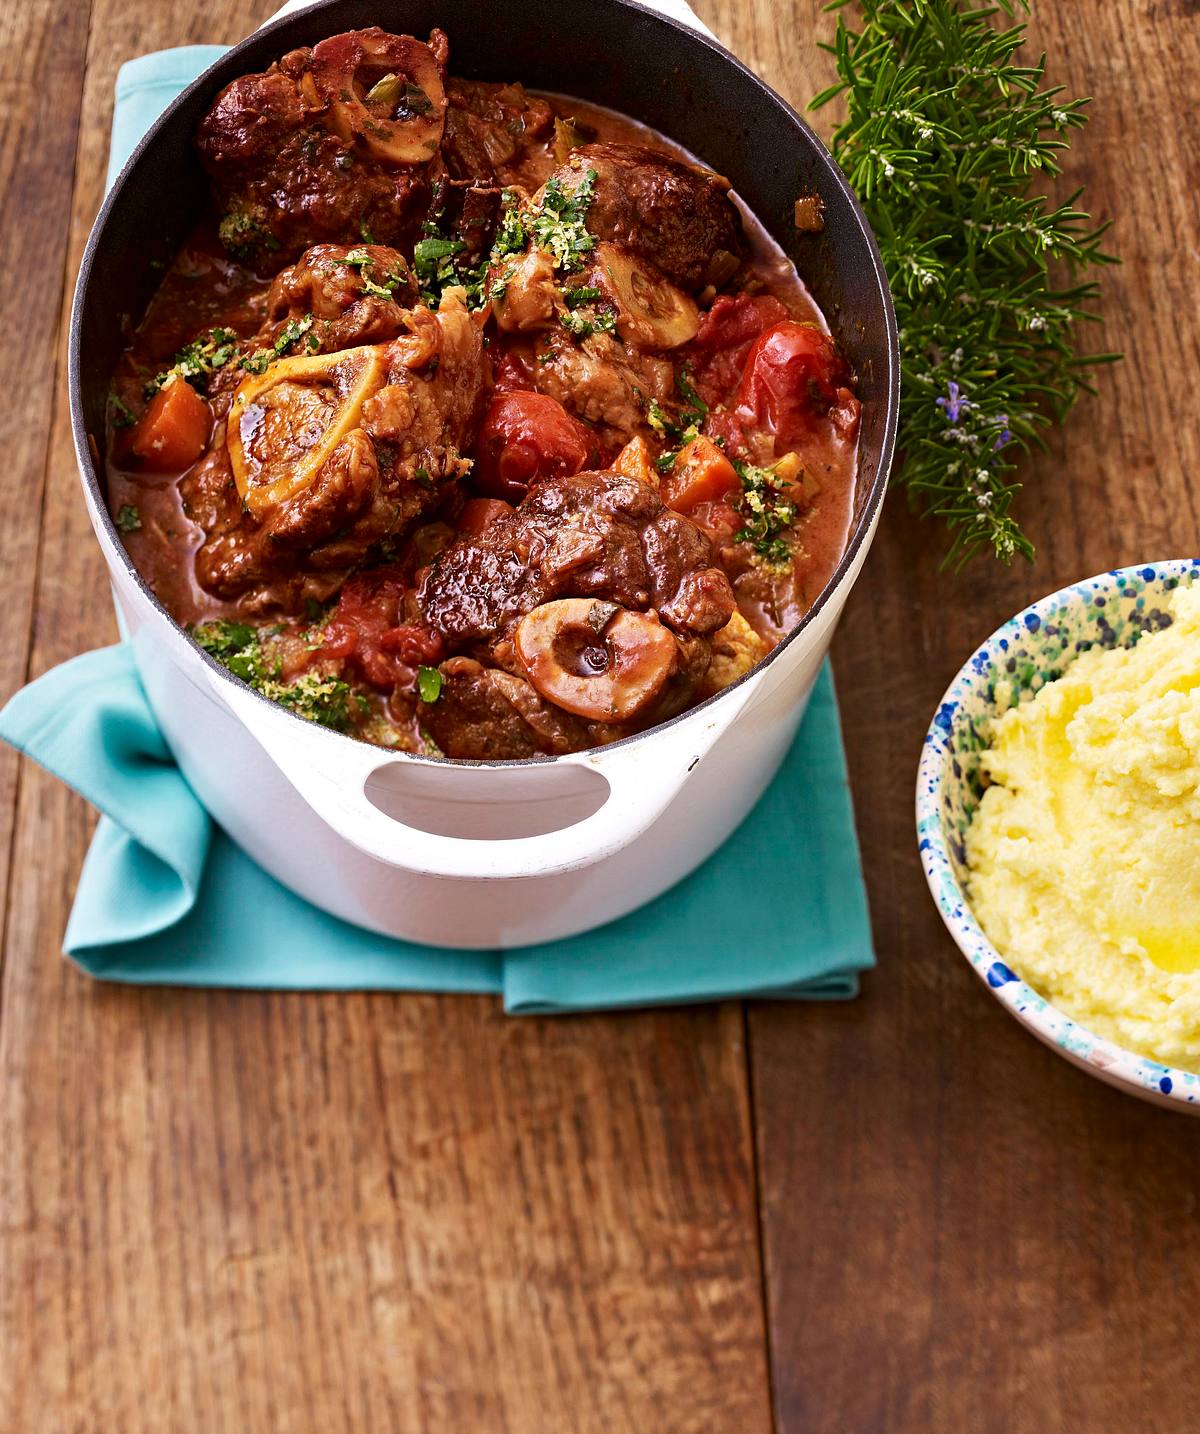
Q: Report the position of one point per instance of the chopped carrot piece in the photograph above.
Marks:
(173, 432)
(634, 462)
(702, 474)
(481, 513)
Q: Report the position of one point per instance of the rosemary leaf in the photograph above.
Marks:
(949, 142)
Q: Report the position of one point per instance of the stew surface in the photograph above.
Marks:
(475, 421)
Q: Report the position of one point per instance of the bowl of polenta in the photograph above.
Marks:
(1058, 819)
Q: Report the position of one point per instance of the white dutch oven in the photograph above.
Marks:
(471, 854)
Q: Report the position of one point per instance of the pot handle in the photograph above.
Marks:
(642, 780)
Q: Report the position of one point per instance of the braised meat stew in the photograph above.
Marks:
(472, 421)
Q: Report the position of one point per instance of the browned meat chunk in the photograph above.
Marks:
(489, 128)
(604, 383)
(333, 453)
(355, 294)
(591, 601)
(329, 279)
(468, 212)
(328, 145)
(486, 714)
(592, 535)
(676, 215)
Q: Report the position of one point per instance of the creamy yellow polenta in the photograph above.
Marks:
(1085, 853)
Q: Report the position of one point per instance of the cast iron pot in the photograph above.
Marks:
(491, 854)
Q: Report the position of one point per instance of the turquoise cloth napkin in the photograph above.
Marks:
(166, 898)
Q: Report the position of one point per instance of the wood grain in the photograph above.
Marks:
(265, 1213)
(961, 1231)
(227, 1212)
(42, 52)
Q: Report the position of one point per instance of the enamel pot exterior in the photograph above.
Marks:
(469, 854)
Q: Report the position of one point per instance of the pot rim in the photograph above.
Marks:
(868, 512)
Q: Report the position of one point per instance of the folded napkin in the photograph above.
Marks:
(166, 898)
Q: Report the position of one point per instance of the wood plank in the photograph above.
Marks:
(255, 1213)
(961, 1231)
(42, 52)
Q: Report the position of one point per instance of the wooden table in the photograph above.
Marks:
(224, 1212)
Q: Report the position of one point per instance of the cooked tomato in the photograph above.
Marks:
(527, 436)
(792, 377)
(414, 644)
(366, 630)
(481, 513)
(718, 520)
(510, 372)
(720, 348)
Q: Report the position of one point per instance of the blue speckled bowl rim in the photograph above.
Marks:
(1108, 1060)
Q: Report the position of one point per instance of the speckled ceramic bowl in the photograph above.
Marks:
(1030, 650)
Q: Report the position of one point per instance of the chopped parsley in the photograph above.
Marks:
(429, 683)
(128, 519)
(596, 320)
(431, 250)
(660, 420)
(292, 332)
(498, 287)
(666, 461)
(122, 415)
(511, 236)
(241, 234)
(238, 646)
(433, 264)
(214, 350)
(559, 226)
(768, 511)
(682, 429)
(438, 259)
(235, 645)
(195, 361)
(324, 700)
(679, 432)
(581, 294)
(584, 326)
(695, 409)
(384, 288)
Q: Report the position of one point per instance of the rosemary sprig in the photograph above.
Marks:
(945, 140)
